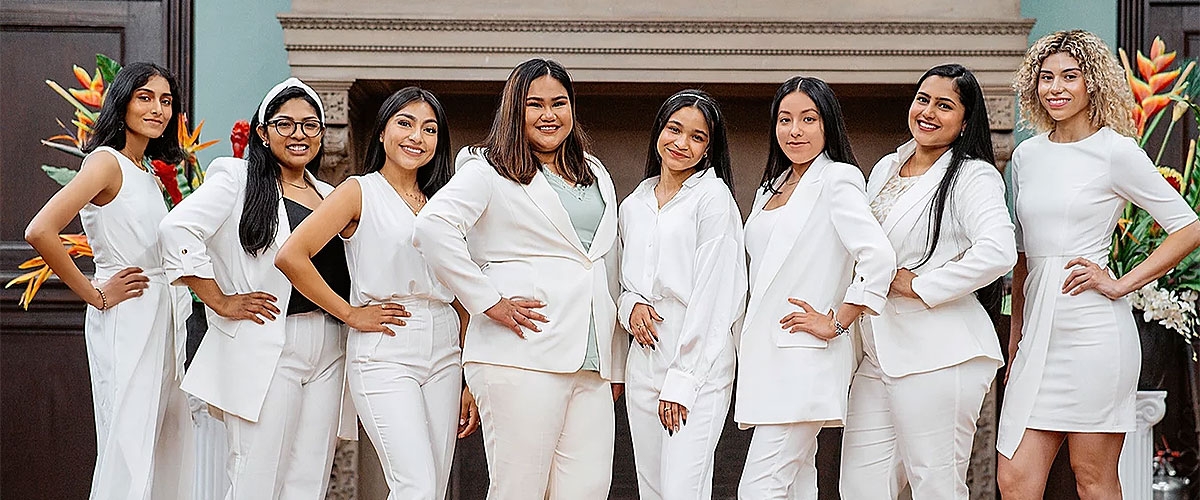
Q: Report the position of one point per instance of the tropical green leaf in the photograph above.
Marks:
(108, 68)
(61, 175)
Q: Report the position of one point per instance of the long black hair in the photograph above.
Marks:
(260, 211)
(508, 149)
(837, 141)
(974, 143)
(431, 176)
(717, 154)
(109, 129)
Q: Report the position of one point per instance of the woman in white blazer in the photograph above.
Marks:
(134, 325)
(403, 358)
(818, 260)
(683, 287)
(1074, 345)
(271, 361)
(932, 352)
(525, 235)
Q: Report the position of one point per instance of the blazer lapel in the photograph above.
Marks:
(602, 242)
(791, 223)
(917, 195)
(546, 199)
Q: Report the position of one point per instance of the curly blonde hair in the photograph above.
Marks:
(1110, 102)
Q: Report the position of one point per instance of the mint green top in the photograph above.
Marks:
(585, 206)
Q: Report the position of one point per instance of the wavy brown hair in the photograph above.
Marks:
(1110, 102)
(506, 146)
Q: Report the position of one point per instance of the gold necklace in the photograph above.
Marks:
(297, 186)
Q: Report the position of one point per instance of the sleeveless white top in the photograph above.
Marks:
(124, 232)
(384, 265)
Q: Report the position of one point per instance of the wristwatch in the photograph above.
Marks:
(839, 329)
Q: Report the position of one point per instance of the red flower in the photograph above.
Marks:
(167, 177)
(239, 137)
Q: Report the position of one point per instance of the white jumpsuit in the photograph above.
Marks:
(135, 351)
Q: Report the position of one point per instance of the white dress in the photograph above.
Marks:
(687, 261)
(405, 387)
(143, 428)
(1076, 367)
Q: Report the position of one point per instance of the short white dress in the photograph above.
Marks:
(1077, 364)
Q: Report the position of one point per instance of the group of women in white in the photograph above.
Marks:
(841, 301)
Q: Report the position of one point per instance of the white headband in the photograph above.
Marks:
(284, 85)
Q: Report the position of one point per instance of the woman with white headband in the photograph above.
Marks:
(683, 286)
(272, 361)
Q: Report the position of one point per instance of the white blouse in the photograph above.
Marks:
(689, 252)
(384, 265)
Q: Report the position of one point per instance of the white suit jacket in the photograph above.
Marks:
(487, 237)
(826, 249)
(234, 365)
(976, 246)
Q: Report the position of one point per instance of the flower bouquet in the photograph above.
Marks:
(1162, 93)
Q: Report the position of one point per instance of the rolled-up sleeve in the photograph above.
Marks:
(184, 232)
(861, 236)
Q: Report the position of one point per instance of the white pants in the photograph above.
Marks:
(407, 390)
(679, 466)
(144, 439)
(781, 463)
(288, 453)
(546, 435)
(917, 430)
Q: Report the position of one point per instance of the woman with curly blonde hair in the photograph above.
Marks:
(1071, 324)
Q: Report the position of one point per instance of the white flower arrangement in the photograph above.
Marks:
(1174, 309)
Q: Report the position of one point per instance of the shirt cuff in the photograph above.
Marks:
(681, 388)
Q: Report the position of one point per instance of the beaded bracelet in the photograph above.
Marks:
(103, 299)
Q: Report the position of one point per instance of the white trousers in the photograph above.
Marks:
(407, 390)
(916, 430)
(679, 466)
(546, 435)
(781, 463)
(288, 453)
(144, 438)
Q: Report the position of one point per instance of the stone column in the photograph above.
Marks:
(1135, 467)
(338, 160)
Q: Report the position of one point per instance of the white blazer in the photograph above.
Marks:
(234, 365)
(976, 246)
(487, 237)
(826, 249)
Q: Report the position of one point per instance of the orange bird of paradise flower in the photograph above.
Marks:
(1150, 80)
(76, 245)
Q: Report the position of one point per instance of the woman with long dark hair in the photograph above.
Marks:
(272, 361)
(403, 358)
(932, 352)
(143, 427)
(683, 286)
(1074, 347)
(818, 260)
(134, 341)
(525, 235)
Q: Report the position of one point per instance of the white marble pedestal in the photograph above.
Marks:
(1135, 468)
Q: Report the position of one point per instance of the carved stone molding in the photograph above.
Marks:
(659, 51)
(1002, 109)
(343, 479)
(994, 27)
(335, 97)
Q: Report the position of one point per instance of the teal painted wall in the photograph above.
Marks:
(239, 56)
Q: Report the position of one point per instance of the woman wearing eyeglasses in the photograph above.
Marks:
(272, 361)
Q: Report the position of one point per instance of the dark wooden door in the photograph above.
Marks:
(46, 419)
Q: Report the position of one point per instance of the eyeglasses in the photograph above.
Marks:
(286, 127)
